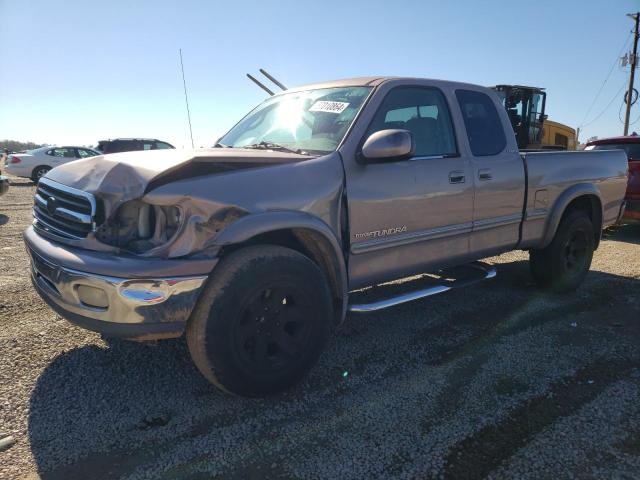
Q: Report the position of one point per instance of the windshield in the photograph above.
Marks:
(311, 121)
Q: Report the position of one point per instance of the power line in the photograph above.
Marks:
(620, 113)
(607, 107)
(605, 81)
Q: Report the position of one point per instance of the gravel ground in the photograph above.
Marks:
(498, 381)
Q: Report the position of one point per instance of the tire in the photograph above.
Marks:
(563, 265)
(39, 172)
(261, 321)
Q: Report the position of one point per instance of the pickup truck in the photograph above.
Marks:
(631, 147)
(251, 248)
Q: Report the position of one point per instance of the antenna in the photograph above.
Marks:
(254, 80)
(264, 72)
(186, 99)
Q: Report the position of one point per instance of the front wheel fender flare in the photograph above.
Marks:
(247, 227)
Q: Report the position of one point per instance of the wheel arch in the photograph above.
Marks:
(299, 231)
(584, 196)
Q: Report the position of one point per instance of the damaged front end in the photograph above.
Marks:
(167, 231)
(141, 228)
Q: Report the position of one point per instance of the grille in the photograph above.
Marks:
(63, 211)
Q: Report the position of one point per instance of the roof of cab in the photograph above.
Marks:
(367, 82)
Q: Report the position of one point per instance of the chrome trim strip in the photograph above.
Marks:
(72, 191)
(426, 157)
(42, 220)
(60, 233)
(41, 201)
(536, 213)
(411, 237)
(488, 270)
(497, 221)
(64, 212)
(73, 216)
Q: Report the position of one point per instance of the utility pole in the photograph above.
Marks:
(634, 58)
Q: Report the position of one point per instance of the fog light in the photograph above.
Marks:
(92, 297)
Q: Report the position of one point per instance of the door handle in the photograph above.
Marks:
(484, 174)
(456, 177)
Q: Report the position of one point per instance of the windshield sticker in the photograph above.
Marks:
(329, 107)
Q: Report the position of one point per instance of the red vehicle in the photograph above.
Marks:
(631, 145)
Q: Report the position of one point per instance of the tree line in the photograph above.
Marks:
(15, 146)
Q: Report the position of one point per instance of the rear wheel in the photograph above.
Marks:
(563, 265)
(39, 172)
(261, 321)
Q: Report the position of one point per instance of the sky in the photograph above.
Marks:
(75, 72)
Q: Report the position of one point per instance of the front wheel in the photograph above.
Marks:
(261, 321)
(563, 265)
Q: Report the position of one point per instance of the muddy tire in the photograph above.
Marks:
(563, 265)
(261, 321)
(39, 172)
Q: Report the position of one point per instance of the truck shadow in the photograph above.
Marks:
(103, 412)
(629, 233)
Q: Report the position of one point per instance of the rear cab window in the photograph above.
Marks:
(484, 128)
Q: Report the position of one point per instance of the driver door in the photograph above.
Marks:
(412, 215)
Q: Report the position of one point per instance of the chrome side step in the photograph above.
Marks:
(487, 271)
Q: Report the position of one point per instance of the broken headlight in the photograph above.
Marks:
(139, 227)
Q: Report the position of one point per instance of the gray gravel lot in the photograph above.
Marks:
(499, 381)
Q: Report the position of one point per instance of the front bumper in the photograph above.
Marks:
(137, 306)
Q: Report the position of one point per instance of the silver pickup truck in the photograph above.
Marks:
(253, 247)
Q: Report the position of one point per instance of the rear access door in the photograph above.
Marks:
(498, 174)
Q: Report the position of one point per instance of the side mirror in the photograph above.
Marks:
(388, 145)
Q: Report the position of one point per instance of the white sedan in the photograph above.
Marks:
(35, 163)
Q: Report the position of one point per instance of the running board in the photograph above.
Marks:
(487, 271)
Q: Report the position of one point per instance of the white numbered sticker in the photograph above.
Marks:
(330, 107)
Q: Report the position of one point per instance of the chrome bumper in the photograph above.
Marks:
(101, 303)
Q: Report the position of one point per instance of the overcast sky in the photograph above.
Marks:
(75, 72)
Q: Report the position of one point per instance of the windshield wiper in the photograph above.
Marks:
(274, 146)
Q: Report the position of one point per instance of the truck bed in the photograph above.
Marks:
(553, 179)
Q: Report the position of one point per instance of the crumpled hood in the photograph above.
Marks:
(119, 177)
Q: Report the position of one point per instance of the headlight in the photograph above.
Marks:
(138, 226)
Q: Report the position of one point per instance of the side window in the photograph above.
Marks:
(162, 145)
(424, 112)
(146, 145)
(62, 152)
(85, 153)
(484, 128)
(50, 152)
(124, 146)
